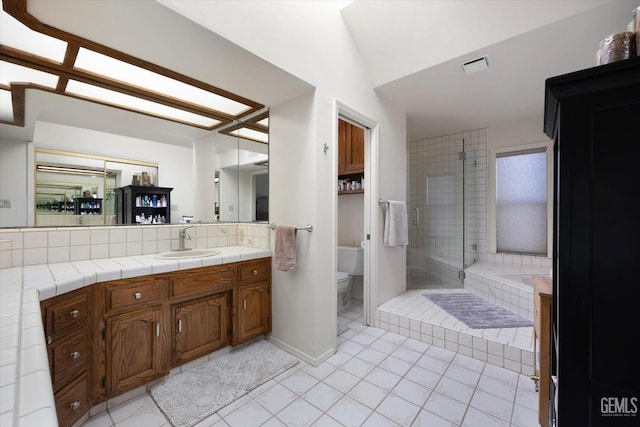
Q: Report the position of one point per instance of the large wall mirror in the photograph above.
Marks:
(78, 189)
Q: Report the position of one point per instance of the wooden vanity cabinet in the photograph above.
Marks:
(134, 334)
(142, 327)
(66, 331)
(254, 300)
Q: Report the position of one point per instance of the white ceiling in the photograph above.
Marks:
(412, 51)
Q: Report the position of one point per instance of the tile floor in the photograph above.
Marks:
(376, 378)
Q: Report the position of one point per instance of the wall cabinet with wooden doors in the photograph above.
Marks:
(350, 157)
(350, 148)
(66, 331)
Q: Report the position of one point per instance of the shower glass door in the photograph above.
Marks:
(440, 175)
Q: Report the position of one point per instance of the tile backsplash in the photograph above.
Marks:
(31, 246)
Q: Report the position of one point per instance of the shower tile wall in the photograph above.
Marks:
(436, 188)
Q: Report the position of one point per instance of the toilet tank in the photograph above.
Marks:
(351, 260)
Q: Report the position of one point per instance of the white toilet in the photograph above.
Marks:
(350, 263)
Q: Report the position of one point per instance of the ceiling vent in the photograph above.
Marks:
(476, 65)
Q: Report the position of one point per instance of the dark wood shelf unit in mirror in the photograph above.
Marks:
(143, 205)
(88, 206)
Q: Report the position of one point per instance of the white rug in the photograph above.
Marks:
(189, 397)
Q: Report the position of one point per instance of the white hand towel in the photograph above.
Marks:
(396, 228)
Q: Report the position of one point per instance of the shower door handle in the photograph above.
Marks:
(416, 217)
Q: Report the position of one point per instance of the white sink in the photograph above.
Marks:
(191, 253)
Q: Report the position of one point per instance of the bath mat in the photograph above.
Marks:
(191, 396)
(475, 312)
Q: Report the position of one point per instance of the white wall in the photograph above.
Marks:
(350, 219)
(516, 133)
(204, 174)
(175, 163)
(13, 183)
(314, 45)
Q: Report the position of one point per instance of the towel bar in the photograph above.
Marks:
(385, 202)
(307, 227)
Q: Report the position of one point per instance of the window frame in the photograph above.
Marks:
(492, 233)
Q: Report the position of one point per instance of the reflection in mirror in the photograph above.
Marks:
(78, 189)
(242, 171)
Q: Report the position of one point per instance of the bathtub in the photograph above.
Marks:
(517, 279)
(507, 286)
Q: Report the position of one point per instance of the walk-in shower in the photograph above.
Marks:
(443, 207)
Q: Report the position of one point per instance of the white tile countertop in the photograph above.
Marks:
(26, 393)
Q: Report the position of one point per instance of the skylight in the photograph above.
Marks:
(137, 104)
(19, 36)
(115, 69)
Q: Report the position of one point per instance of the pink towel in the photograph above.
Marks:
(285, 255)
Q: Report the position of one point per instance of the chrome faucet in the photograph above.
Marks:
(182, 236)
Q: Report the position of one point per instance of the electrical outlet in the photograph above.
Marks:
(5, 203)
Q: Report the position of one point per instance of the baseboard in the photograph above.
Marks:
(314, 361)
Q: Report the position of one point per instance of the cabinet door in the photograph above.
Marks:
(201, 327)
(350, 148)
(134, 349)
(254, 311)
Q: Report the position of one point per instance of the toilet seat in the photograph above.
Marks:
(341, 276)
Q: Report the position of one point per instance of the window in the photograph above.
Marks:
(521, 205)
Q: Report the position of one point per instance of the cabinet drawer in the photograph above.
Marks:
(68, 357)
(132, 293)
(253, 271)
(72, 401)
(213, 279)
(68, 313)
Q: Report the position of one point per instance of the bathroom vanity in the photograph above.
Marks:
(114, 336)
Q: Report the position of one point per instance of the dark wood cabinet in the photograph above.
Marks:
(350, 148)
(66, 330)
(200, 327)
(253, 303)
(112, 337)
(87, 206)
(143, 204)
(350, 156)
(254, 311)
(592, 115)
(134, 343)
